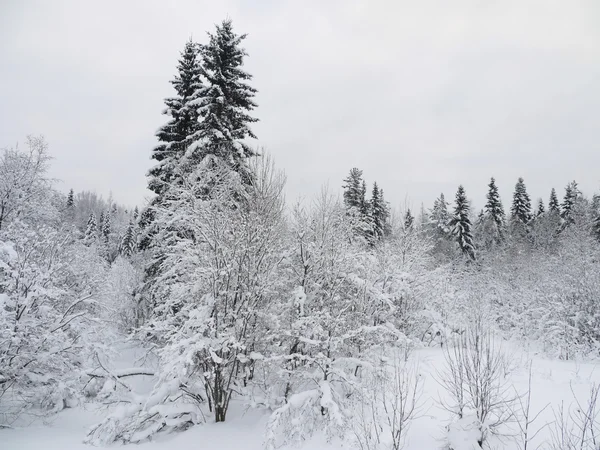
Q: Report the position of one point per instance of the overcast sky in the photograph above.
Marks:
(421, 95)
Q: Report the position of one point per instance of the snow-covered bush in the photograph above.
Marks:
(46, 330)
(390, 399)
(474, 377)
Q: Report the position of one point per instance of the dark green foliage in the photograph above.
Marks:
(494, 218)
(553, 205)
(408, 220)
(91, 230)
(439, 217)
(379, 212)
(71, 199)
(177, 134)
(460, 223)
(540, 208)
(521, 206)
(572, 196)
(354, 194)
(106, 227)
(128, 242)
(224, 101)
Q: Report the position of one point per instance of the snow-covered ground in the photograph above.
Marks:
(552, 383)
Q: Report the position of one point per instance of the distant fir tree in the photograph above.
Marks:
(71, 199)
(224, 101)
(553, 205)
(106, 227)
(494, 218)
(364, 203)
(128, 244)
(439, 216)
(136, 213)
(91, 230)
(408, 220)
(460, 224)
(176, 135)
(521, 206)
(379, 212)
(101, 225)
(540, 210)
(572, 196)
(353, 190)
(438, 228)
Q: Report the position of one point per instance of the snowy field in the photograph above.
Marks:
(553, 382)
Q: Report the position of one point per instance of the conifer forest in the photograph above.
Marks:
(223, 313)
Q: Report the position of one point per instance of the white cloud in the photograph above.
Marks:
(421, 95)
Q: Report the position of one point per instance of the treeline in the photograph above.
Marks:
(491, 228)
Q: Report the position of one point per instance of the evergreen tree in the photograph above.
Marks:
(224, 101)
(553, 203)
(136, 213)
(408, 220)
(439, 216)
(100, 227)
(353, 189)
(70, 199)
(364, 204)
(521, 207)
(460, 224)
(572, 196)
(128, 241)
(176, 135)
(494, 218)
(91, 230)
(106, 227)
(379, 212)
(540, 208)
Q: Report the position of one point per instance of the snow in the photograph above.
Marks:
(553, 382)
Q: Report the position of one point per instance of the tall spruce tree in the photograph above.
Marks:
(91, 230)
(224, 101)
(364, 203)
(553, 205)
(572, 196)
(71, 199)
(494, 217)
(521, 206)
(101, 225)
(177, 134)
(439, 216)
(353, 189)
(127, 247)
(106, 227)
(460, 224)
(409, 220)
(379, 212)
(540, 208)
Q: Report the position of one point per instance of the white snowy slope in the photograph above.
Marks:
(553, 382)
